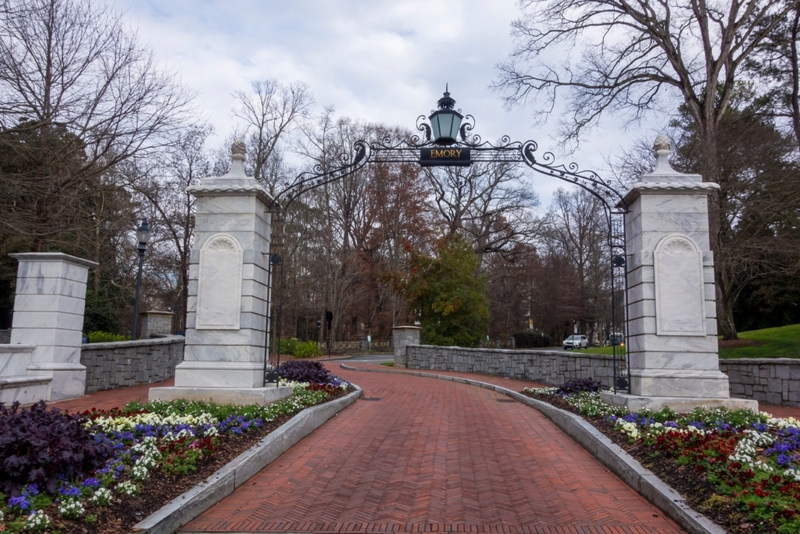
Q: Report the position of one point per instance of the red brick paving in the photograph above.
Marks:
(389, 468)
(113, 398)
(517, 385)
(434, 456)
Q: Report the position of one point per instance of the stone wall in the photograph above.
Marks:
(768, 380)
(129, 363)
(548, 367)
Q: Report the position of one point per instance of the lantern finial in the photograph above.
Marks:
(446, 102)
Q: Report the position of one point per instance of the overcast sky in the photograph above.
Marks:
(374, 60)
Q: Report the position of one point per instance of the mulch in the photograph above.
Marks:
(739, 343)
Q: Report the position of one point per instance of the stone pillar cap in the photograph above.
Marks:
(53, 256)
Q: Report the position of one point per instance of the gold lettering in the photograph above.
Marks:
(445, 153)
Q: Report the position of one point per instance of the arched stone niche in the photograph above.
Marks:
(680, 296)
(219, 284)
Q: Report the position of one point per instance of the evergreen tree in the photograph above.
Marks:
(448, 295)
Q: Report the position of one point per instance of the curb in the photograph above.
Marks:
(223, 482)
(601, 447)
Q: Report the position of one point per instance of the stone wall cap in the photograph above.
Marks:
(132, 343)
(231, 188)
(6, 348)
(670, 187)
(53, 256)
(157, 312)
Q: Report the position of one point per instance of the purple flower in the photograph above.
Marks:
(91, 483)
(19, 502)
(68, 490)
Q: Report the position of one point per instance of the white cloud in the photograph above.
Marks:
(373, 60)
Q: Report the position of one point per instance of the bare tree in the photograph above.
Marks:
(271, 112)
(577, 230)
(488, 202)
(83, 95)
(633, 52)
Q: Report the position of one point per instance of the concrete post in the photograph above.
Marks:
(156, 323)
(228, 293)
(48, 313)
(402, 337)
(672, 328)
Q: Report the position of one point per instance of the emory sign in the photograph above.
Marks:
(445, 157)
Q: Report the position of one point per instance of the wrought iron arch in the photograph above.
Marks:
(505, 150)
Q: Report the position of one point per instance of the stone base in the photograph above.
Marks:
(636, 403)
(261, 396)
(68, 380)
(679, 383)
(24, 389)
(219, 374)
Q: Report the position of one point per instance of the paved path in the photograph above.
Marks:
(427, 455)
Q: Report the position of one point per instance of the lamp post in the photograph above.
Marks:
(143, 235)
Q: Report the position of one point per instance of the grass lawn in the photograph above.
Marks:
(779, 342)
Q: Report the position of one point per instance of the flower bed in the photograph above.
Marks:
(142, 456)
(740, 468)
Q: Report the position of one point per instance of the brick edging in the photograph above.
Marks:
(224, 481)
(616, 459)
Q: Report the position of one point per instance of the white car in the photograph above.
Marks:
(576, 341)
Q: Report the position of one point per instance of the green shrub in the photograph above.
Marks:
(289, 346)
(306, 349)
(105, 337)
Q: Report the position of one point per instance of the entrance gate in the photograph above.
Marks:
(447, 139)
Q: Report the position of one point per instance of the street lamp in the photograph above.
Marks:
(445, 121)
(143, 235)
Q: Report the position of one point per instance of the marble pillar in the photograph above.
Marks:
(228, 293)
(48, 314)
(403, 336)
(672, 327)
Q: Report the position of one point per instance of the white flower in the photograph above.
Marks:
(101, 497)
(140, 472)
(128, 488)
(71, 508)
(792, 474)
(37, 520)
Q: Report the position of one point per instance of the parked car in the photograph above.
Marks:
(576, 341)
(615, 339)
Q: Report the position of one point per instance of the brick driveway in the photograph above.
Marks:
(428, 455)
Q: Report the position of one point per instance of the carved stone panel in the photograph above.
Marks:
(219, 285)
(680, 298)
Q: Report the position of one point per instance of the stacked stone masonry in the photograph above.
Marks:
(130, 363)
(549, 367)
(772, 381)
(769, 380)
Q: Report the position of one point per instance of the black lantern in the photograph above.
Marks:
(143, 236)
(445, 121)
